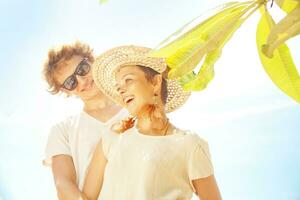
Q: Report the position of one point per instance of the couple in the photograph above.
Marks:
(99, 155)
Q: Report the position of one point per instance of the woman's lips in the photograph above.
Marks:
(128, 99)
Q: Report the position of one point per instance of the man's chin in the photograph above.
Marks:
(91, 94)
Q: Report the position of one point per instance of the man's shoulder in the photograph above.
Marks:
(121, 115)
(68, 121)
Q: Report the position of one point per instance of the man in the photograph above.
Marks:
(71, 143)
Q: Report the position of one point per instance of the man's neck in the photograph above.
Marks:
(101, 108)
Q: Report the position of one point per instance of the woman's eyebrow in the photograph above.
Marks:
(127, 75)
(117, 85)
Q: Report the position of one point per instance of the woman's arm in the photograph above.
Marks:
(207, 188)
(94, 179)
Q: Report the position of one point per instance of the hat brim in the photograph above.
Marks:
(105, 66)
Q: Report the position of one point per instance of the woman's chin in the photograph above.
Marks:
(136, 109)
(131, 110)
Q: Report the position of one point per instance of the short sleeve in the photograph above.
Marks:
(199, 163)
(57, 144)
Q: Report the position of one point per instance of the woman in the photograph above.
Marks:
(154, 159)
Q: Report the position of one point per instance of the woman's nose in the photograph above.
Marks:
(121, 90)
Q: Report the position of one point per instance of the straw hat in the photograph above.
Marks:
(105, 66)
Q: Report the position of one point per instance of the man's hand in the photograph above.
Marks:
(65, 178)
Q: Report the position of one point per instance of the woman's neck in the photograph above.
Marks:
(150, 125)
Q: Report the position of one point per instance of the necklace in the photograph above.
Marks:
(164, 130)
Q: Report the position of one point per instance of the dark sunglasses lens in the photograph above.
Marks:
(83, 69)
(70, 83)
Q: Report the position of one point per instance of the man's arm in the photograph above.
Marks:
(65, 178)
(207, 188)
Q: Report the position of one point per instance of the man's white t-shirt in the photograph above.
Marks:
(77, 136)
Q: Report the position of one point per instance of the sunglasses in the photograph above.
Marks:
(81, 70)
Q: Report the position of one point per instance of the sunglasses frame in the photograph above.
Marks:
(82, 62)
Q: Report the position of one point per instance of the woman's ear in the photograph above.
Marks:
(157, 81)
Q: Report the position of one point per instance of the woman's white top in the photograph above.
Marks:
(143, 167)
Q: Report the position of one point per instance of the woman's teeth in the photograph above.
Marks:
(128, 99)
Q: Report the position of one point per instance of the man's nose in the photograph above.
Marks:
(81, 82)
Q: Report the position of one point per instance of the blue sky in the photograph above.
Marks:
(251, 126)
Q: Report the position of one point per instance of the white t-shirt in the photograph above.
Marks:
(77, 136)
(153, 167)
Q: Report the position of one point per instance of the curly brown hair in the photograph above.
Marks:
(57, 56)
(150, 74)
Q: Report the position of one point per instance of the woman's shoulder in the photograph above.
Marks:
(194, 143)
(191, 137)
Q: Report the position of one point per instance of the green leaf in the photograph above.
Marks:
(287, 5)
(103, 1)
(205, 39)
(287, 28)
(206, 73)
(280, 68)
